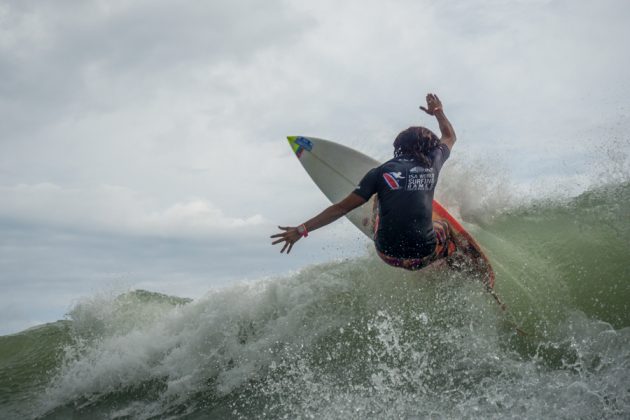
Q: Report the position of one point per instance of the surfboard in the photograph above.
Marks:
(337, 169)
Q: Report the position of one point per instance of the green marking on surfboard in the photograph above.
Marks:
(292, 143)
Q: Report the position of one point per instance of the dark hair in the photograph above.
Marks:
(416, 141)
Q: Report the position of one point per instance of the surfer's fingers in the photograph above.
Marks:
(433, 97)
(284, 227)
(278, 241)
(277, 235)
(284, 247)
(290, 246)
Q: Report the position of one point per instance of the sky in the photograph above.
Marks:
(142, 143)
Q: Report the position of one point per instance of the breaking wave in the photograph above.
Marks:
(357, 339)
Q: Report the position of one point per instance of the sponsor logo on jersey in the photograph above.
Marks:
(417, 169)
(391, 178)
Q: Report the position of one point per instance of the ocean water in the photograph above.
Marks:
(356, 339)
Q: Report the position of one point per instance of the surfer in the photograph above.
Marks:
(404, 233)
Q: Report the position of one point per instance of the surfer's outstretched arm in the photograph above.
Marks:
(292, 234)
(434, 107)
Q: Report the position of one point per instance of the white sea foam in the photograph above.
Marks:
(351, 339)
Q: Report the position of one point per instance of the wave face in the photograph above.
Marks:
(358, 339)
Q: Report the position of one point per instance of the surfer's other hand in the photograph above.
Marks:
(290, 236)
(433, 104)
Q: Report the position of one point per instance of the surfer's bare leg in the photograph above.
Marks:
(448, 249)
(444, 246)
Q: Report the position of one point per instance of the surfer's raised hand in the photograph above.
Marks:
(433, 104)
(289, 237)
(434, 107)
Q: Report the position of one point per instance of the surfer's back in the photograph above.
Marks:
(405, 189)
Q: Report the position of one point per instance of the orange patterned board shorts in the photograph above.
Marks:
(443, 248)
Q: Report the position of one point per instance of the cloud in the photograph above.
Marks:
(71, 58)
(118, 210)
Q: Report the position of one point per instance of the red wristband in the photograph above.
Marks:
(302, 230)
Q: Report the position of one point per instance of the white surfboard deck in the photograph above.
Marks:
(336, 170)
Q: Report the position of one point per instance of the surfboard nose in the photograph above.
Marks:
(299, 144)
(292, 142)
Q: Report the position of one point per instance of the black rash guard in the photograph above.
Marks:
(405, 193)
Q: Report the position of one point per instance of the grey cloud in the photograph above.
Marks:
(120, 210)
(53, 53)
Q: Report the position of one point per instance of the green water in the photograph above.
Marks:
(358, 339)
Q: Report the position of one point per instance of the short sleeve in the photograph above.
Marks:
(439, 156)
(367, 186)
